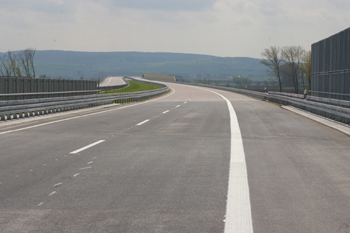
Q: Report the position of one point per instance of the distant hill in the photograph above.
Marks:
(69, 64)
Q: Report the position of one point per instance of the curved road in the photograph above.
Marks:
(112, 81)
(165, 165)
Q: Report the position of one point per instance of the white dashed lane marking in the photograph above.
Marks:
(86, 147)
(143, 122)
(58, 184)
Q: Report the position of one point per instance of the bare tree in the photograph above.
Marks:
(292, 55)
(13, 63)
(306, 67)
(272, 59)
(12, 58)
(6, 66)
(286, 76)
(31, 52)
(24, 60)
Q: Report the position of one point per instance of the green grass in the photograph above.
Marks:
(134, 87)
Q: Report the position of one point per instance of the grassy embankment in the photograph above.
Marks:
(134, 86)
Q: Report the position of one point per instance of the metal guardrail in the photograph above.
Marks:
(15, 109)
(299, 96)
(343, 103)
(330, 95)
(334, 112)
(115, 87)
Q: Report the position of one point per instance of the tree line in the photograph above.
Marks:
(291, 63)
(18, 64)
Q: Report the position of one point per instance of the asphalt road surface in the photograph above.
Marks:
(112, 81)
(165, 166)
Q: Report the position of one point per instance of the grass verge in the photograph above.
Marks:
(135, 86)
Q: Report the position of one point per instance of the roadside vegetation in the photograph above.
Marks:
(18, 64)
(290, 66)
(135, 86)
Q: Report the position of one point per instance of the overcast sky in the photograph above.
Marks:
(227, 28)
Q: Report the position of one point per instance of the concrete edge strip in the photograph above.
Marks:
(238, 209)
(325, 121)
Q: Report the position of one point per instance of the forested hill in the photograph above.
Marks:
(69, 64)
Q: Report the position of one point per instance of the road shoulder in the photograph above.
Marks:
(325, 121)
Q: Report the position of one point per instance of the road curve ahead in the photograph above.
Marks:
(112, 81)
(166, 165)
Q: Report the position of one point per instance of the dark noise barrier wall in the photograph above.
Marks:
(12, 85)
(330, 67)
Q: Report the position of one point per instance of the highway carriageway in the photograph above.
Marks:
(194, 160)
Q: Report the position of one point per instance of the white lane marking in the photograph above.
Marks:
(83, 168)
(31, 170)
(58, 184)
(75, 175)
(90, 114)
(109, 81)
(44, 164)
(143, 122)
(40, 203)
(166, 111)
(94, 157)
(90, 162)
(238, 210)
(52, 193)
(178, 106)
(185, 102)
(86, 147)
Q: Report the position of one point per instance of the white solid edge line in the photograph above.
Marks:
(143, 122)
(238, 210)
(86, 115)
(86, 147)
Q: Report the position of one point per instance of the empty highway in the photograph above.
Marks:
(194, 160)
(112, 81)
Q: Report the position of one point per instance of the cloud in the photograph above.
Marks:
(221, 27)
(164, 5)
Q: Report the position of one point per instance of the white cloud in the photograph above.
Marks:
(221, 27)
(165, 5)
(57, 2)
